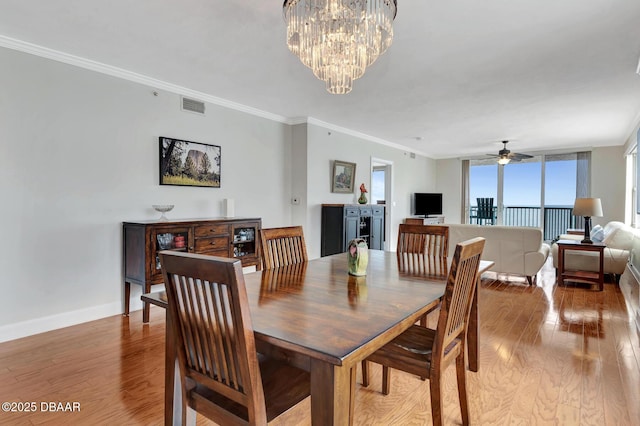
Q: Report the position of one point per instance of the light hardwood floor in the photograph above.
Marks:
(549, 355)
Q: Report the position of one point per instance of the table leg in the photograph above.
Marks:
(601, 273)
(330, 394)
(473, 331)
(560, 264)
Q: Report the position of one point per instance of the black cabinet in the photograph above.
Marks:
(342, 222)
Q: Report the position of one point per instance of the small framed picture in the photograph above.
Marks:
(187, 163)
(344, 175)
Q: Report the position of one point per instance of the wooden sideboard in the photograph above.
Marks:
(238, 237)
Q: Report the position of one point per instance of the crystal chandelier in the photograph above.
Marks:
(339, 39)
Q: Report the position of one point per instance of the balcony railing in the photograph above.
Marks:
(557, 219)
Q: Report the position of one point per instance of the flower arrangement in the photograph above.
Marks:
(363, 198)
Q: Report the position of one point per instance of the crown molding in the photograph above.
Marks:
(44, 52)
(55, 55)
(364, 136)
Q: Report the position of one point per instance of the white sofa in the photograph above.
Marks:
(514, 249)
(619, 240)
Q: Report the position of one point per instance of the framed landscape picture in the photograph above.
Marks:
(186, 163)
(344, 174)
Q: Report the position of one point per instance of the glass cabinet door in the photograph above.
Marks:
(174, 238)
(244, 240)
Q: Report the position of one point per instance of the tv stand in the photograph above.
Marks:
(426, 220)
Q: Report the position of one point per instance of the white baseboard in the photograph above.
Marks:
(65, 319)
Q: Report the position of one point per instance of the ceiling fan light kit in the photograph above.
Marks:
(339, 39)
(505, 156)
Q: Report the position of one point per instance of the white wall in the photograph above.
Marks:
(298, 166)
(79, 155)
(449, 182)
(324, 146)
(608, 176)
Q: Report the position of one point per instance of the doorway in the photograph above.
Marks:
(381, 192)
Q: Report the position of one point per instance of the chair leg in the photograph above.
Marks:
(530, 279)
(386, 380)
(436, 401)
(352, 394)
(365, 373)
(462, 388)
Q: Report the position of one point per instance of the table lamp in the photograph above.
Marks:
(587, 207)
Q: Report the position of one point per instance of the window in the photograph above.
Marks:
(537, 192)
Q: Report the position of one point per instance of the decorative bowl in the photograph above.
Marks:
(163, 208)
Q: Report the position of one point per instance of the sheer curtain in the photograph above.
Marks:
(583, 175)
(465, 206)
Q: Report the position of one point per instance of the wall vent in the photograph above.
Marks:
(192, 105)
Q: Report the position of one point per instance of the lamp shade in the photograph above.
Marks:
(587, 207)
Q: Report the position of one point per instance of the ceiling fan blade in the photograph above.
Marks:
(518, 157)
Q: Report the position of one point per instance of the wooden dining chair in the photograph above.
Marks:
(426, 352)
(221, 374)
(422, 250)
(417, 241)
(282, 246)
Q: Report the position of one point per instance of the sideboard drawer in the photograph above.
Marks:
(205, 245)
(211, 230)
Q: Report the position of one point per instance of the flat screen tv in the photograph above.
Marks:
(427, 204)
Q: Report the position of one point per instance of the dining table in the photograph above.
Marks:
(318, 317)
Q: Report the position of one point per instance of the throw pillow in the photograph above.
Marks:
(621, 238)
(597, 234)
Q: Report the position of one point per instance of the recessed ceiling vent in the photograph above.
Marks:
(192, 105)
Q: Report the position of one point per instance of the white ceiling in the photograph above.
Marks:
(460, 76)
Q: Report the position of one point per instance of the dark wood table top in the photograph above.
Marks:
(328, 314)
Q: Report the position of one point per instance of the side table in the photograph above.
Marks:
(575, 231)
(589, 276)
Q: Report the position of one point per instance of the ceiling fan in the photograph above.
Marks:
(505, 156)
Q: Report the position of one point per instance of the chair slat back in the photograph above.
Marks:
(423, 265)
(209, 310)
(461, 284)
(282, 246)
(420, 244)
